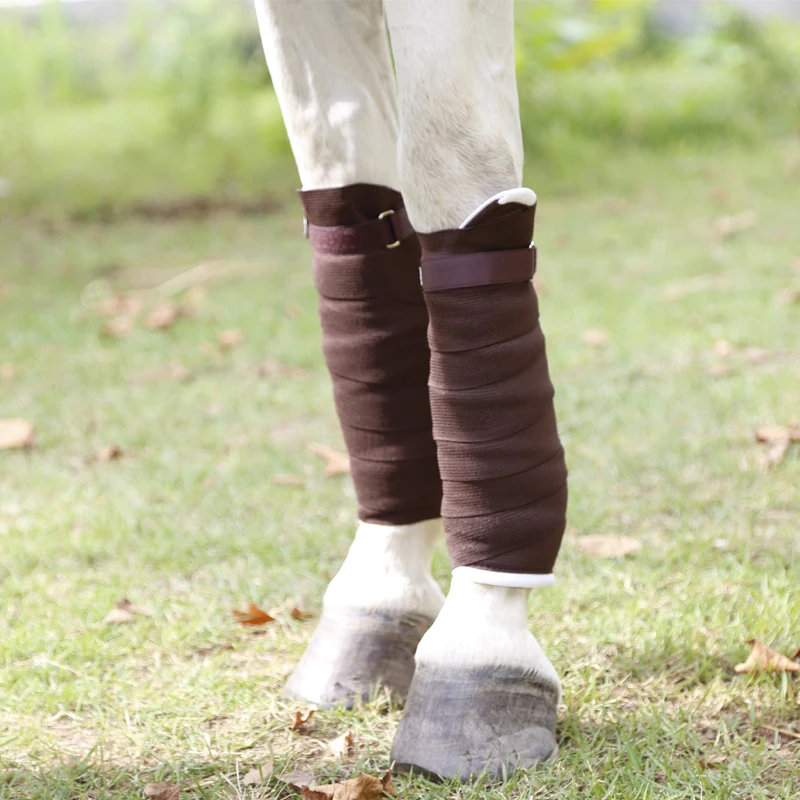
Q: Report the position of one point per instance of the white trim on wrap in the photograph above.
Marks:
(511, 580)
(527, 197)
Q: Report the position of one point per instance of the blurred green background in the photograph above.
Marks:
(171, 102)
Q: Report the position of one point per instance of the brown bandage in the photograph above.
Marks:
(374, 323)
(500, 457)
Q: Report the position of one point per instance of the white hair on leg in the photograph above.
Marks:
(460, 137)
(332, 73)
(485, 626)
(388, 568)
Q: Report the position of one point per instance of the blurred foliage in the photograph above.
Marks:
(176, 100)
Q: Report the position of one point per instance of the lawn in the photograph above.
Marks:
(685, 268)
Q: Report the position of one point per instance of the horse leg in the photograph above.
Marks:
(333, 76)
(484, 695)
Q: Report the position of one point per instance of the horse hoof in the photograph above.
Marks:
(463, 723)
(354, 652)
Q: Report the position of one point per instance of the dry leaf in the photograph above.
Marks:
(723, 348)
(336, 463)
(301, 718)
(287, 480)
(713, 761)
(340, 746)
(16, 434)
(362, 787)
(161, 790)
(737, 223)
(602, 546)
(297, 779)
(117, 328)
(596, 338)
(230, 338)
(7, 371)
(207, 650)
(255, 777)
(763, 658)
(125, 611)
(110, 453)
(253, 616)
(299, 615)
(776, 453)
(164, 315)
(778, 439)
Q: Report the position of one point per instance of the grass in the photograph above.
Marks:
(659, 434)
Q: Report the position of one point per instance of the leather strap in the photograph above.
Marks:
(442, 272)
(385, 232)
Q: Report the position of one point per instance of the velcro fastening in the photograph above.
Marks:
(446, 271)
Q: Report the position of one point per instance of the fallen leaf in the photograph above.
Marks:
(736, 223)
(110, 453)
(297, 779)
(253, 616)
(763, 658)
(608, 546)
(299, 615)
(796, 656)
(117, 328)
(778, 438)
(596, 338)
(362, 787)
(301, 718)
(287, 480)
(339, 747)
(776, 453)
(713, 761)
(164, 315)
(161, 790)
(723, 348)
(124, 611)
(255, 777)
(336, 463)
(16, 434)
(230, 338)
(7, 371)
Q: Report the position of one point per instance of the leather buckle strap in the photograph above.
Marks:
(387, 231)
(442, 272)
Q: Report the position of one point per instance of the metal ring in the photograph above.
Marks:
(384, 215)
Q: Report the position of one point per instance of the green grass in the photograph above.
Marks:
(190, 522)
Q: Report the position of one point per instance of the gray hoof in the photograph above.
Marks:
(352, 653)
(462, 723)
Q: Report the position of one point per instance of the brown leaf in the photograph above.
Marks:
(253, 616)
(299, 615)
(16, 434)
(336, 463)
(762, 658)
(230, 338)
(124, 611)
(737, 223)
(297, 779)
(713, 761)
(117, 328)
(776, 453)
(111, 453)
(161, 790)
(163, 316)
(301, 718)
(339, 747)
(608, 546)
(596, 338)
(362, 787)
(778, 439)
(255, 777)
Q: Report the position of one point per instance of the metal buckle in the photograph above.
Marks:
(386, 215)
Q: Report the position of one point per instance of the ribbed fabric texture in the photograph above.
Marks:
(500, 457)
(374, 323)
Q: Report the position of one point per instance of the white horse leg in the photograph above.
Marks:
(484, 696)
(332, 72)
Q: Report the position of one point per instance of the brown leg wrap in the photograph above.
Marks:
(500, 457)
(374, 323)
